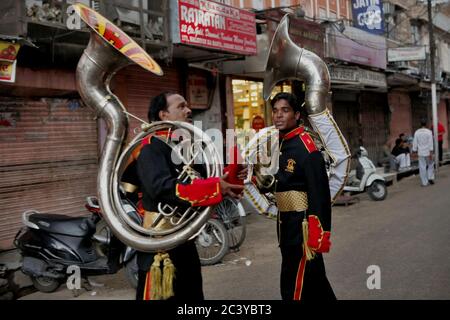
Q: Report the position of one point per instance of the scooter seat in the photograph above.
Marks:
(61, 224)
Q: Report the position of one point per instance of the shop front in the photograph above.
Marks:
(245, 104)
(360, 107)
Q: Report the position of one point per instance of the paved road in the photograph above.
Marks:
(406, 236)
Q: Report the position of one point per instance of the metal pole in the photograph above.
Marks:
(433, 87)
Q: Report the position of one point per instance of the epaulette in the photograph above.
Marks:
(308, 142)
(147, 140)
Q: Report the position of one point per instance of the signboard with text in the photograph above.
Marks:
(213, 25)
(197, 91)
(406, 54)
(368, 15)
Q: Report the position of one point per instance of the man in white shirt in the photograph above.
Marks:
(423, 145)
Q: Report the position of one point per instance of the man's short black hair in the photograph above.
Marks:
(398, 141)
(289, 97)
(423, 122)
(157, 104)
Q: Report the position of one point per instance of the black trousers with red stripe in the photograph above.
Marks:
(188, 284)
(307, 279)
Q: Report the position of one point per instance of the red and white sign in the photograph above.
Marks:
(8, 71)
(217, 26)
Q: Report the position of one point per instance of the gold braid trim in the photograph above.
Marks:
(310, 254)
(161, 282)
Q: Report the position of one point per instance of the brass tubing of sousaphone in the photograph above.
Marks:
(99, 63)
(286, 60)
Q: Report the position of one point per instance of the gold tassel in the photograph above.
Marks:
(155, 278)
(168, 276)
(309, 253)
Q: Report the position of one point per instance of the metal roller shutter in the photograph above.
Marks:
(374, 120)
(139, 87)
(48, 160)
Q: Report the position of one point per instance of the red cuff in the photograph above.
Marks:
(201, 192)
(318, 240)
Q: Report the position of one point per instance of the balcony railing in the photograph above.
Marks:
(146, 21)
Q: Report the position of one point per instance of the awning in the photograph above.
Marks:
(20, 40)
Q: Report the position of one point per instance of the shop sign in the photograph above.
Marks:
(8, 71)
(197, 92)
(368, 15)
(214, 25)
(356, 46)
(306, 34)
(354, 75)
(8, 51)
(406, 54)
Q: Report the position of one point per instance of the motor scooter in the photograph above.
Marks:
(50, 243)
(366, 178)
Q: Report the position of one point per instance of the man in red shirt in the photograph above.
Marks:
(441, 131)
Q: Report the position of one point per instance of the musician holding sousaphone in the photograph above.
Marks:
(303, 189)
(161, 181)
(177, 199)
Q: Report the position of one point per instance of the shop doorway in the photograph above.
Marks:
(251, 112)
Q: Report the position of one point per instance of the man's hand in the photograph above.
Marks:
(242, 175)
(229, 189)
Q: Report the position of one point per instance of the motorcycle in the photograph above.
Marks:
(365, 178)
(224, 231)
(51, 243)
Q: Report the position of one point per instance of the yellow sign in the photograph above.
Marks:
(8, 51)
(7, 71)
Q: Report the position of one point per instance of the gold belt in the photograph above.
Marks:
(292, 201)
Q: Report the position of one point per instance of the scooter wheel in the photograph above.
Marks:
(45, 284)
(377, 191)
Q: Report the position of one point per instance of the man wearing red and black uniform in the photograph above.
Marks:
(158, 174)
(303, 195)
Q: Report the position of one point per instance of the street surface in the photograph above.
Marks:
(406, 237)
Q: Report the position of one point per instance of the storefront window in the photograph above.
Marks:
(249, 106)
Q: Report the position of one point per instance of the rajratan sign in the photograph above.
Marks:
(213, 25)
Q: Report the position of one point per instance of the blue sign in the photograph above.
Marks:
(368, 15)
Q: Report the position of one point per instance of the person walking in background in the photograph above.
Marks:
(423, 145)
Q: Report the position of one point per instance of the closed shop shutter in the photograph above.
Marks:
(48, 160)
(374, 123)
(140, 86)
(346, 114)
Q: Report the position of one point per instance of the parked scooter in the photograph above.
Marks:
(365, 178)
(50, 243)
